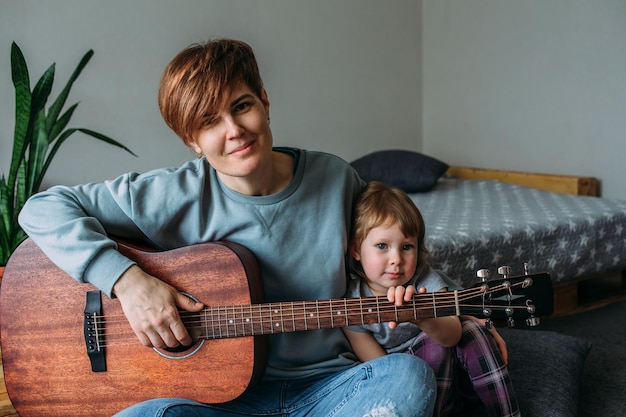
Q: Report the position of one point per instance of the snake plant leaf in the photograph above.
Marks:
(5, 215)
(37, 153)
(41, 91)
(21, 82)
(55, 148)
(57, 106)
(4, 223)
(64, 136)
(106, 139)
(61, 123)
(20, 190)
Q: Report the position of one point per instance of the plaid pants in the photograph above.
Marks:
(472, 370)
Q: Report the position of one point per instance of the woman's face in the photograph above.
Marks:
(237, 140)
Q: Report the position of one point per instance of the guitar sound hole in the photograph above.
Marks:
(180, 352)
(179, 349)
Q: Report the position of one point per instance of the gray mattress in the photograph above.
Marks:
(473, 224)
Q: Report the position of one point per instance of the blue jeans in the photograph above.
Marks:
(396, 385)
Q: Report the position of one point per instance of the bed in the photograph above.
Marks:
(482, 219)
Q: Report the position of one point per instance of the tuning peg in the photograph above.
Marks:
(483, 275)
(487, 313)
(505, 271)
(510, 322)
(526, 272)
(532, 321)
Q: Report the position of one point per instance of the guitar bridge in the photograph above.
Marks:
(94, 331)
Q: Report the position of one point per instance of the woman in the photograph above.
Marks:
(292, 208)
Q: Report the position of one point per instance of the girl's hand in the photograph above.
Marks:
(400, 294)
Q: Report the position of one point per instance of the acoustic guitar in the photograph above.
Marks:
(68, 350)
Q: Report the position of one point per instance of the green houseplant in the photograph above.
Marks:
(38, 135)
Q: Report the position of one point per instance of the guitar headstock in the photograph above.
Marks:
(509, 298)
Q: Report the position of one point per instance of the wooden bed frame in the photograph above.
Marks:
(568, 296)
(577, 295)
(566, 184)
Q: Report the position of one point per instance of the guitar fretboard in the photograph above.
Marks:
(269, 318)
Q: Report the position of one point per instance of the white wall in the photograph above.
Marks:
(342, 76)
(533, 85)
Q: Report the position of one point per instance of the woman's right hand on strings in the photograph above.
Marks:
(151, 307)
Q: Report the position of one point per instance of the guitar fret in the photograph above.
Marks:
(395, 311)
(271, 319)
(260, 320)
(243, 323)
(219, 323)
(224, 321)
(304, 316)
(231, 322)
(251, 320)
(206, 323)
(235, 320)
(317, 308)
(361, 310)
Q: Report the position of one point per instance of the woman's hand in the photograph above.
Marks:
(151, 307)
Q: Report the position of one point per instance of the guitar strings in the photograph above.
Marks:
(240, 321)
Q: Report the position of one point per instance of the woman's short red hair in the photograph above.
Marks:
(197, 82)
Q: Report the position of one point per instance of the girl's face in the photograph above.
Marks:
(388, 258)
(237, 141)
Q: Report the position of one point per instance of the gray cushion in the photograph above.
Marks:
(546, 369)
(410, 171)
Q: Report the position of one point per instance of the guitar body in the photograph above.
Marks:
(48, 371)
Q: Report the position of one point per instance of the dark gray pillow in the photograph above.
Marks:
(546, 368)
(410, 171)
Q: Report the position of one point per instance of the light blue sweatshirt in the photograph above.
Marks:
(298, 235)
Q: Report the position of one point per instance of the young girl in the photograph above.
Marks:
(388, 257)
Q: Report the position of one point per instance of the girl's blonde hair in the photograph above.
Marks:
(378, 205)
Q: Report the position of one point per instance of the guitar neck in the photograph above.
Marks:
(270, 318)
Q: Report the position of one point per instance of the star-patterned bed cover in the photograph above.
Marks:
(476, 224)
